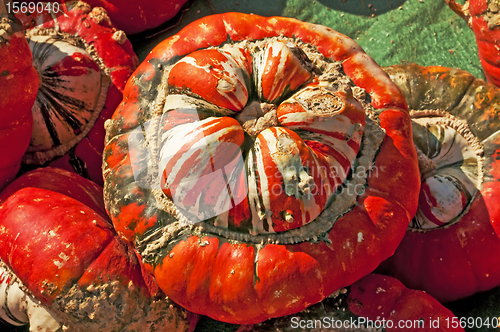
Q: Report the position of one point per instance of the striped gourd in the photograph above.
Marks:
(455, 123)
(254, 162)
(289, 177)
(83, 62)
(451, 172)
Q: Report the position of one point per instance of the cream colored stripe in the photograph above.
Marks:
(232, 74)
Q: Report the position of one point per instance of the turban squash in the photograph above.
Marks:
(83, 62)
(19, 83)
(259, 164)
(64, 267)
(452, 247)
(483, 18)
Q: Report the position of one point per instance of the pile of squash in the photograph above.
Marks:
(249, 168)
